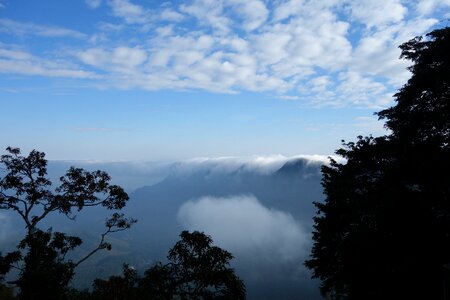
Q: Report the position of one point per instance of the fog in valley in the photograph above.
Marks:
(258, 208)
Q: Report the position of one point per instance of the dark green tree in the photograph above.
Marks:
(40, 256)
(383, 231)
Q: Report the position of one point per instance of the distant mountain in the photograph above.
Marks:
(291, 188)
(260, 209)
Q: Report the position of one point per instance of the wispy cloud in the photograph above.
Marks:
(20, 62)
(19, 28)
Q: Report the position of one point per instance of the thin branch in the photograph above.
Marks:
(113, 226)
(101, 245)
(44, 214)
(17, 209)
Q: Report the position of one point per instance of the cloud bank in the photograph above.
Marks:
(248, 229)
(263, 164)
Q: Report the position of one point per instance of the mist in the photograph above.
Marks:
(247, 228)
(259, 208)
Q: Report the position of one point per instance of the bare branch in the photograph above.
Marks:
(116, 223)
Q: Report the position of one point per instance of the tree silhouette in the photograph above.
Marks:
(117, 287)
(45, 274)
(383, 231)
(196, 270)
(40, 256)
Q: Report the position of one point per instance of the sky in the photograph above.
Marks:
(120, 80)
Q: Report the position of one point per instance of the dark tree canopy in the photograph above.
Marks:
(383, 231)
(196, 270)
(45, 273)
(25, 190)
(422, 113)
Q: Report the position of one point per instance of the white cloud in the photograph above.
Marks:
(21, 62)
(274, 59)
(247, 228)
(352, 82)
(208, 13)
(313, 41)
(93, 3)
(171, 15)
(42, 69)
(426, 7)
(287, 9)
(310, 51)
(130, 12)
(19, 28)
(263, 164)
(378, 54)
(122, 57)
(320, 84)
(253, 12)
(377, 13)
(16, 55)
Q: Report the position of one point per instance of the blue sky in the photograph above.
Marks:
(153, 80)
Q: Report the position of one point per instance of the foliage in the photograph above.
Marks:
(422, 113)
(383, 231)
(40, 256)
(196, 270)
(44, 265)
(117, 287)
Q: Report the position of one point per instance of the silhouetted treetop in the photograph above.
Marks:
(196, 270)
(383, 231)
(26, 190)
(422, 110)
(44, 271)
